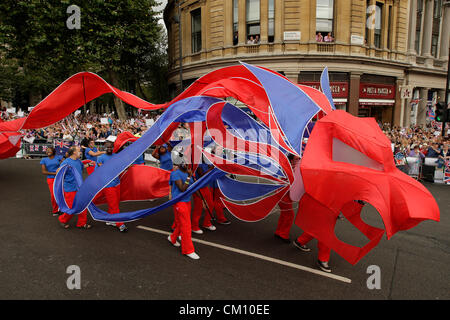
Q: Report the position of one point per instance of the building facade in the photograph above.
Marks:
(386, 58)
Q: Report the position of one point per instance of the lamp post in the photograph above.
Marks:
(180, 50)
(446, 99)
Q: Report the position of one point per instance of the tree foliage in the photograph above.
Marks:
(120, 40)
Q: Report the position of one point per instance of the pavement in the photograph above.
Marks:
(240, 261)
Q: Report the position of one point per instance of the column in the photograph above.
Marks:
(264, 20)
(292, 76)
(278, 21)
(228, 24)
(412, 27)
(427, 29)
(242, 23)
(396, 117)
(422, 107)
(353, 97)
(407, 113)
(441, 95)
(445, 33)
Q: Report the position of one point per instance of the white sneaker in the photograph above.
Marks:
(199, 231)
(176, 244)
(193, 255)
(111, 224)
(211, 228)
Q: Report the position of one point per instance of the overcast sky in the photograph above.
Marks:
(161, 8)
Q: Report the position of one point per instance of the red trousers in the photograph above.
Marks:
(286, 217)
(112, 196)
(55, 207)
(198, 208)
(218, 205)
(324, 251)
(183, 226)
(82, 217)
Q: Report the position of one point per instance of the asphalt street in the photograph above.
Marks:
(238, 261)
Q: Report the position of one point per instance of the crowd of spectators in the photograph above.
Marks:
(85, 126)
(415, 141)
(420, 142)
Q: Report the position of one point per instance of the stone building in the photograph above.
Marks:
(386, 58)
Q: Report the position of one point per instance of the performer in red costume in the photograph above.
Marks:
(49, 165)
(112, 191)
(286, 218)
(200, 197)
(179, 181)
(71, 188)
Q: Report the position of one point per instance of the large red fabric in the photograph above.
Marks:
(141, 182)
(333, 186)
(76, 91)
(122, 139)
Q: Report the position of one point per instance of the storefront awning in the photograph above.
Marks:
(340, 101)
(376, 102)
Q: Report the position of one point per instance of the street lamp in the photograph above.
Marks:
(180, 50)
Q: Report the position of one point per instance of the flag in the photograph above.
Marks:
(447, 172)
(400, 159)
(61, 146)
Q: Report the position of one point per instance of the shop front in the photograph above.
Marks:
(339, 92)
(377, 101)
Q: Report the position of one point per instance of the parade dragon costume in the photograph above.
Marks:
(343, 158)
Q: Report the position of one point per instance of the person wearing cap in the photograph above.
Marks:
(164, 155)
(179, 182)
(112, 190)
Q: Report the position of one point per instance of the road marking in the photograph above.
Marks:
(258, 256)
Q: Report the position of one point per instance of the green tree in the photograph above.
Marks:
(120, 40)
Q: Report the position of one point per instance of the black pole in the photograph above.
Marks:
(446, 99)
(180, 45)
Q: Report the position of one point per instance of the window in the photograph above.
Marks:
(378, 23)
(235, 22)
(389, 37)
(434, 44)
(417, 43)
(196, 30)
(368, 22)
(437, 8)
(252, 21)
(324, 20)
(271, 27)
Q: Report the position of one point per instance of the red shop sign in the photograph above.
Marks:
(338, 89)
(377, 91)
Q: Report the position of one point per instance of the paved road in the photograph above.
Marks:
(35, 252)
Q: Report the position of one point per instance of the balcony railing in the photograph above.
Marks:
(326, 47)
(253, 48)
